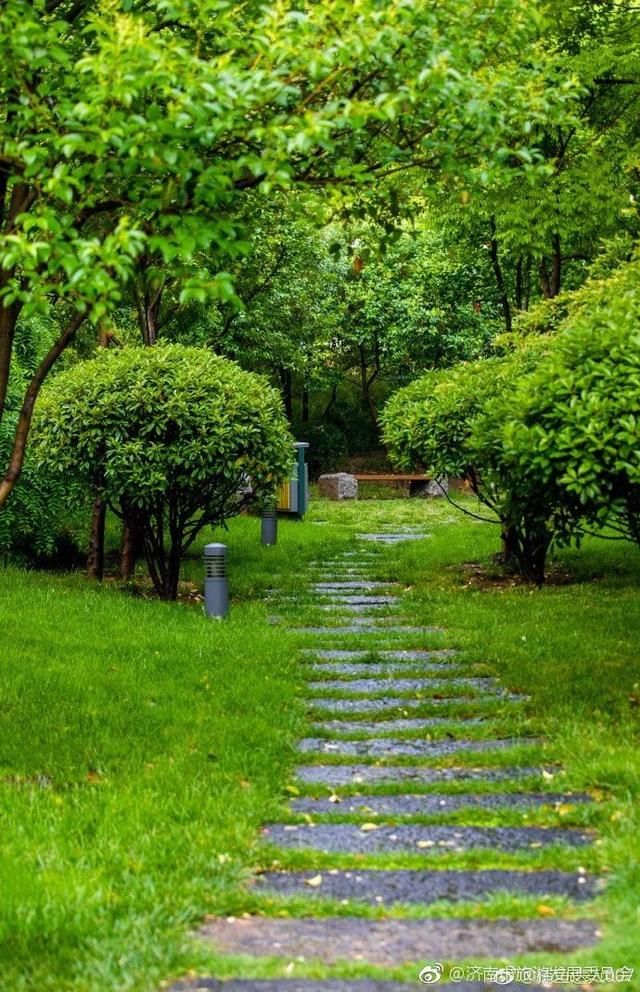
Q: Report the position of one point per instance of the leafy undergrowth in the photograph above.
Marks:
(142, 746)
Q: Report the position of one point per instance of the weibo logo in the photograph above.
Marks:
(431, 974)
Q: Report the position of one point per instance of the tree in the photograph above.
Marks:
(410, 302)
(569, 433)
(173, 438)
(540, 238)
(130, 131)
(431, 423)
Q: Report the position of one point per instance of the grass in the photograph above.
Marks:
(142, 746)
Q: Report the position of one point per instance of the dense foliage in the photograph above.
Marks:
(432, 423)
(132, 131)
(570, 431)
(548, 435)
(340, 197)
(46, 520)
(172, 437)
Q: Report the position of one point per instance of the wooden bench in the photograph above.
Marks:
(365, 477)
(417, 483)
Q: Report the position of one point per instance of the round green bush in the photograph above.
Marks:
(428, 424)
(569, 434)
(431, 424)
(174, 437)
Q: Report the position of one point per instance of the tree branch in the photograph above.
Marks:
(26, 413)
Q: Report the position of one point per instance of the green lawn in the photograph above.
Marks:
(142, 746)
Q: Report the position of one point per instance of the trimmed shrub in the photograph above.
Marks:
(173, 438)
(430, 425)
(569, 435)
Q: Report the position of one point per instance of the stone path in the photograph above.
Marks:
(402, 731)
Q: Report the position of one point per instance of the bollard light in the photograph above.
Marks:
(269, 527)
(216, 587)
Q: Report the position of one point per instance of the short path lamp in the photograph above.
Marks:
(270, 526)
(216, 586)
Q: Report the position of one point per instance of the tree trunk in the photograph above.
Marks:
(331, 403)
(499, 277)
(95, 556)
(287, 392)
(23, 427)
(519, 292)
(534, 542)
(8, 320)
(551, 279)
(556, 266)
(366, 382)
(171, 577)
(130, 549)
(527, 284)
(510, 547)
(305, 405)
(151, 314)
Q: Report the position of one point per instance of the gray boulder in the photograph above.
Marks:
(339, 485)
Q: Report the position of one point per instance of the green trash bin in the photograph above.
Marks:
(293, 495)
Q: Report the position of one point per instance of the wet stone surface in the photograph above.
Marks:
(387, 703)
(370, 610)
(387, 887)
(293, 985)
(353, 584)
(402, 685)
(347, 596)
(333, 985)
(380, 728)
(337, 775)
(364, 628)
(385, 942)
(373, 728)
(364, 653)
(430, 804)
(393, 538)
(390, 748)
(383, 623)
(382, 668)
(350, 838)
(362, 600)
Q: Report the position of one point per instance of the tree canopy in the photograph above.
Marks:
(130, 131)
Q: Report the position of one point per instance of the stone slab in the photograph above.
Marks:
(381, 624)
(388, 887)
(354, 653)
(334, 776)
(364, 628)
(382, 668)
(376, 727)
(361, 686)
(387, 703)
(353, 584)
(298, 985)
(392, 538)
(371, 610)
(388, 747)
(391, 942)
(430, 803)
(349, 838)
(362, 600)
(335, 985)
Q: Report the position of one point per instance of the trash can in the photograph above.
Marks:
(293, 495)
